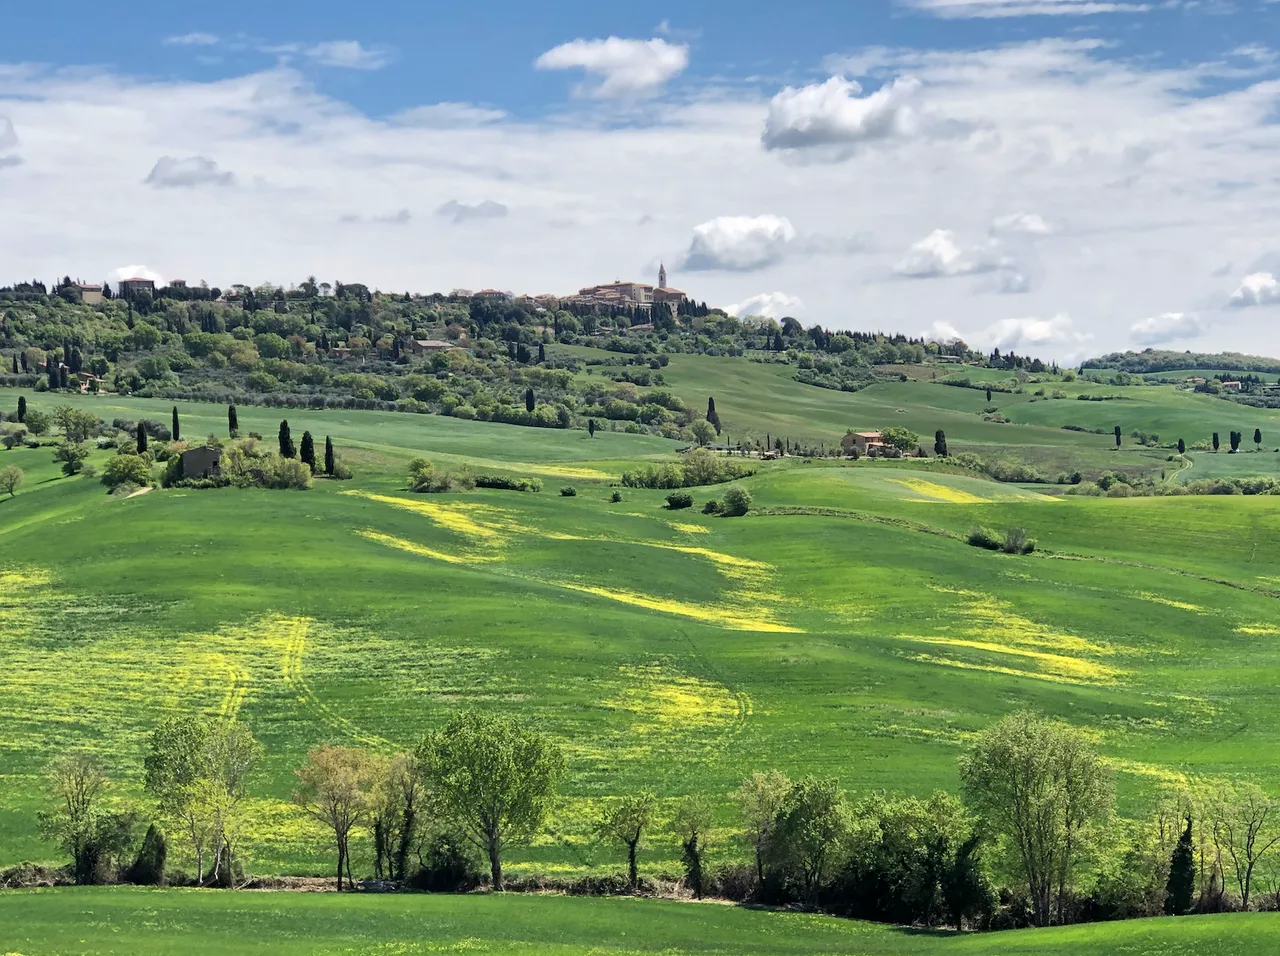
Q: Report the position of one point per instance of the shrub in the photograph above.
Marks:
(712, 507)
(447, 866)
(425, 478)
(568, 491)
(504, 483)
(148, 866)
(679, 499)
(133, 469)
(616, 497)
(737, 502)
(1017, 542)
(981, 537)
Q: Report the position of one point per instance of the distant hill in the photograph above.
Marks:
(1165, 360)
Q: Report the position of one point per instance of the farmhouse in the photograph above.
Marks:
(131, 287)
(866, 443)
(430, 345)
(201, 462)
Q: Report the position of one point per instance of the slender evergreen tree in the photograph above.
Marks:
(307, 452)
(328, 455)
(1117, 436)
(177, 431)
(1181, 885)
(286, 440)
(529, 401)
(940, 443)
(15, 363)
(1215, 441)
(233, 421)
(1182, 447)
(542, 353)
(22, 408)
(1257, 438)
(988, 396)
(142, 438)
(591, 427)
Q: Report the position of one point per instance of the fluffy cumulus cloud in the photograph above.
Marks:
(1022, 224)
(773, 305)
(957, 9)
(189, 171)
(1032, 335)
(833, 114)
(621, 67)
(738, 243)
(1167, 327)
(939, 255)
(1261, 288)
(348, 54)
(461, 212)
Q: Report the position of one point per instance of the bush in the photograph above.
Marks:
(568, 491)
(737, 502)
(616, 497)
(700, 467)
(447, 866)
(122, 469)
(504, 483)
(1017, 542)
(981, 537)
(148, 866)
(712, 507)
(679, 499)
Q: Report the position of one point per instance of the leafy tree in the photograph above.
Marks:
(22, 409)
(10, 480)
(810, 832)
(1245, 823)
(176, 429)
(704, 432)
(900, 437)
(72, 455)
(494, 778)
(37, 422)
(940, 443)
(1181, 885)
(307, 452)
(626, 821)
(233, 422)
(335, 786)
(1117, 433)
(196, 769)
(286, 440)
(529, 401)
(1182, 447)
(1257, 439)
(120, 469)
(398, 812)
(142, 438)
(1215, 441)
(692, 823)
(80, 821)
(760, 799)
(1042, 786)
(736, 502)
(76, 424)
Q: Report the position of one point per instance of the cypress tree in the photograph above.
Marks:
(1257, 438)
(940, 443)
(1181, 885)
(177, 432)
(542, 353)
(308, 452)
(988, 396)
(63, 380)
(328, 455)
(1117, 436)
(591, 428)
(233, 421)
(142, 438)
(528, 400)
(15, 363)
(1215, 441)
(22, 408)
(1182, 447)
(286, 440)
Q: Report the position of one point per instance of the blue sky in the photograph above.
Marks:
(1061, 176)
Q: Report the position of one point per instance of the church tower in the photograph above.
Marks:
(662, 276)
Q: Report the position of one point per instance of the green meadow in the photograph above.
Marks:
(131, 922)
(844, 628)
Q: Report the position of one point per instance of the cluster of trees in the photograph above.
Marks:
(1164, 360)
(699, 467)
(1032, 840)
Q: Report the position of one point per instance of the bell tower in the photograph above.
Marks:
(662, 276)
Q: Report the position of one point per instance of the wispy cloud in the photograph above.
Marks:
(190, 171)
(461, 212)
(623, 67)
(967, 9)
(192, 39)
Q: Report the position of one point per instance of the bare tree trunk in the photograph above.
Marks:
(339, 864)
(495, 866)
(633, 875)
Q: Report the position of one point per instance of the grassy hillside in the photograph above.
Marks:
(844, 629)
(139, 923)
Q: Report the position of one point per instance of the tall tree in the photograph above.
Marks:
(1117, 436)
(1246, 826)
(988, 396)
(22, 408)
(542, 353)
(529, 401)
(1235, 441)
(335, 786)
(626, 821)
(307, 452)
(10, 480)
(233, 422)
(176, 429)
(492, 777)
(328, 455)
(142, 438)
(940, 443)
(1182, 447)
(1181, 885)
(1257, 438)
(286, 440)
(692, 824)
(712, 415)
(1044, 788)
(1215, 441)
(80, 820)
(811, 831)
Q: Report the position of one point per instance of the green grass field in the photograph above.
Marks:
(129, 922)
(852, 634)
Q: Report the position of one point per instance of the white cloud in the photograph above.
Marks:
(8, 141)
(738, 243)
(348, 54)
(170, 171)
(624, 67)
(1261, 288)
(1168, 327)
(398, 218)
(773, 305)
(1022, 223)
(1021, 8)
(833, 114)
(449, 115)
(938, 255)
(461, 212)
(1032, 334)
(196, 38)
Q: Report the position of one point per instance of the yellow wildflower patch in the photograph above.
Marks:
(689, 528)
(993, 669)
(728, 617)
(1057, 665)
(482, 523)
(1258, 630)
(665, 703)
(403, 544)
(939, 492)
(1169, 602)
